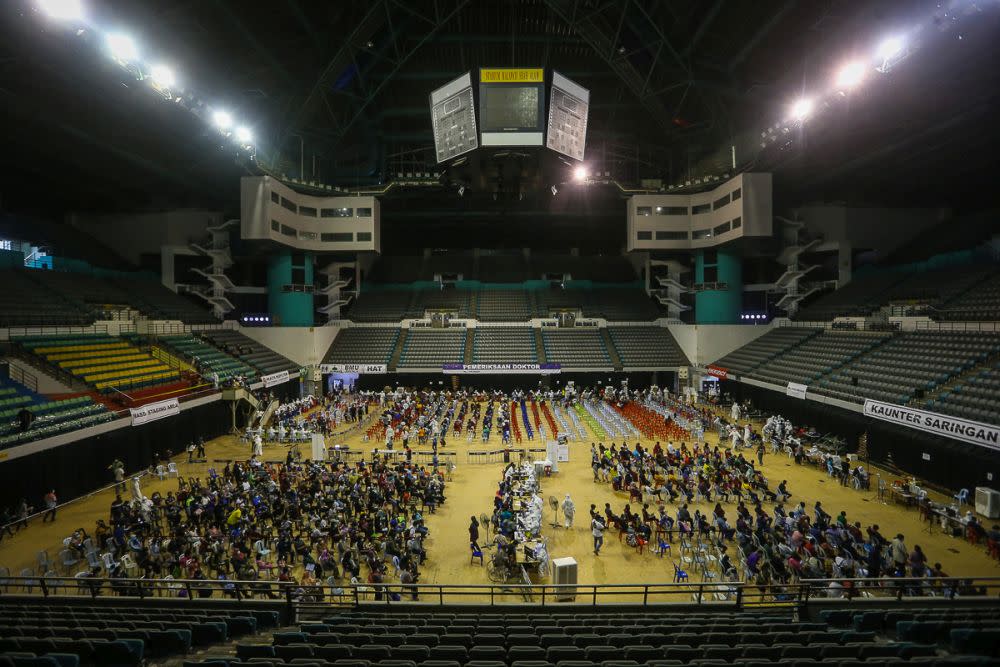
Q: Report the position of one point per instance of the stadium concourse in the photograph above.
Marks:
(471, 488)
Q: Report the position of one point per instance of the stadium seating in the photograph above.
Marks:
(622, 305)
(661, 638)
(104, 362)
(118, 635)
(430, 348)
(816, 357)
(382, 306)
(505, 306)
(646, 347)
(448, 299)
(362, 346)
(24, 303)
(157, 302)
(51, 417)
(981, 302)
(758, 352)
(862, 296)
(208, 359)
(504, 345)
(975, 399)
(575, 348)
(235, 344)
(908, 362)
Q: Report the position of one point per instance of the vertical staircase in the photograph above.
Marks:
(469, 337)
(397, 351)
(540, 346)
(474, 304)
(609, 345)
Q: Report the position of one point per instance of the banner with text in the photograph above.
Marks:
(718, 371)
(153, 411)
(472, 369)
(274, 378)
(796, 390)
(360, 369)
(976, 433)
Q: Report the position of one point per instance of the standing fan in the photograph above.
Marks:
(484, 522)
(554, 504)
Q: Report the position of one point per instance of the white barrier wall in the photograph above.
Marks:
(706, 343)
(303, 345)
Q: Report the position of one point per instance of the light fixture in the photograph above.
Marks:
(65, 10)
(889, 48)
(580, 173)
(802, 108)
(850, 75)
(122, 48)
(244, 135)
(461, 190)
(555, 190)
(162, 76)
(222, 120)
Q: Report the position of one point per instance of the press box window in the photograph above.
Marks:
(700, 234)
(337, 237)
(364, 213)
(275, 198)
(737, 222)
(290, 205)
(287, 231)
(275, 225)
(644, 236)
(721, 229)
(308, 211)
(671, 236)
(364, 236)
(737, 193)
(671, 210)
(644, 210)
(701, 208)
(720, 202)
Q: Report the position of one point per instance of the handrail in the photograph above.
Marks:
(739, 595)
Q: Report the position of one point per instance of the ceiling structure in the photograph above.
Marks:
(338, 92)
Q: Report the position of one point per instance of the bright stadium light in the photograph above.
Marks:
(222, 120)
(850, 75)
(163, 76)
(122, 48)
(65, 10)
(244, 135)
(802, 108)
(580, 173)
(889, 48)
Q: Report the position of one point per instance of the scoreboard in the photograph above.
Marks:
(512, 106)
(511, 113)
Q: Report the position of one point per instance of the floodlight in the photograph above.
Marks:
(66, 10)
(244, 134)
(162, 76)
(122, 48)
(222, 120)
(580, 173)
(850, 75)
(802, 108)
(555, 190)
(890, 47)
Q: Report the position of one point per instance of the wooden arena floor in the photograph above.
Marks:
(471, 492)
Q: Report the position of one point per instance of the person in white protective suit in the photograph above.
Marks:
(569, 510)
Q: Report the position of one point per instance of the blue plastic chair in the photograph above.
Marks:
(679, 574)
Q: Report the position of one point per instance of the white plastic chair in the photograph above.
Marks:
(172, 470)
(161, 472)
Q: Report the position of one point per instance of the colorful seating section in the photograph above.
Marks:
(246, 349)
(102, 361)
(50, 298)
(118, 635)
(51, 417)
(207, 359)
(430, 348)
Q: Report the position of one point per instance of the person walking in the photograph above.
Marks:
(474, 533)
(597, 528)
(51, 502)
(569, 511)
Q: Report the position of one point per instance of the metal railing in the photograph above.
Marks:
(29, 380)
(320, 597)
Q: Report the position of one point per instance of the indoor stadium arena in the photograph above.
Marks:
(499, 333)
